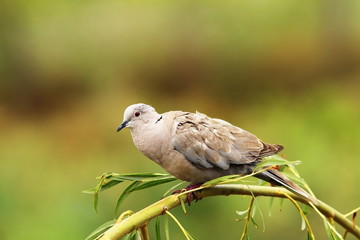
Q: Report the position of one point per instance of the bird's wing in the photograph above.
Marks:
(207, 142)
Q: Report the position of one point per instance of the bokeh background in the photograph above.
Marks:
(288, 71)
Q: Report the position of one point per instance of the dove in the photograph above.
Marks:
(196, 148)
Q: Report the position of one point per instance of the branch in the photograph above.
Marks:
(141, 218)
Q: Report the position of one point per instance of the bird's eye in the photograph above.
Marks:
(136, 114)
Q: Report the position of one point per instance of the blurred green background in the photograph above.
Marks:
(288, 72)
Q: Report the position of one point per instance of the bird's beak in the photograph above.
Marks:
(123, 125)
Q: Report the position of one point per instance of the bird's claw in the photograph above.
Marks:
(193, 195)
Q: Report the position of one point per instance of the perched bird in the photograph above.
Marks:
(196, 148)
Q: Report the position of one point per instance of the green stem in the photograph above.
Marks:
(144, 232)
(138, 219)
(179, 224)
(302, 215)
(247, 220)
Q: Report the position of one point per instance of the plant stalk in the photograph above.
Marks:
(138, 219)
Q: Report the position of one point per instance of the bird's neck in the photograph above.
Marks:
(148, 137)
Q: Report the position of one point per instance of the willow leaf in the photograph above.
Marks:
(272, 161)
(157, 228)
(124, 195)
(149, 184)
(100, 230)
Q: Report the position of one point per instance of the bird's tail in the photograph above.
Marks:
(275, 177)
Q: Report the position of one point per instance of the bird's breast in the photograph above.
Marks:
(154, 144)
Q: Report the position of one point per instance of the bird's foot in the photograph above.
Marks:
(190, 195)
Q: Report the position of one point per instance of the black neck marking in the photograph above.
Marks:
(158, 119)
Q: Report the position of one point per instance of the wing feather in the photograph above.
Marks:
(208, 142)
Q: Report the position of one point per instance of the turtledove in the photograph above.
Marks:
(196, 148)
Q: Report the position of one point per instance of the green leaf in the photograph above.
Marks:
(183, 205)
(157, 228)
(133, 234)
(187, 235)
(306, 211)
(100, 230)
(89, 191)
(96, 200)
(139, 176)
(153, 183)
(172, 188)
(328, 231)
(281, 202)
(256, 208)
(294, 178)
(139, 185)
(191, 237)
(253, 222)
(166, 227)
(105, 175)
(270, 205)
(242, 213)
(109, 179)
(100, 187)
(303, 224)
(109, 184)
(96, 191)
(274, 161)
(130, 236)
(103, 187)
(124, 194)
(219, 180)
(331, 232)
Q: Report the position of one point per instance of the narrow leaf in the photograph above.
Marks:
(183, 205)
(271, 201)
(255, 208)
(303, 224)
(166, 227)
(101, 187)
(124, 195)
(96, 191)
(109, 184)
(328, 230)
(106, 175)
(140, 176)
(100, 230)
(152, 183)
(281, 202)
(185, 232)
(89, 191)
(242, 213)
(219, 180)
(298, 180)
(191, 237)
(332, 233)
(157, 228)
(253, 222)
(306, 211)
(132, 235)
(172, 188)
(274, 161)
(96, 200)
(302, 215)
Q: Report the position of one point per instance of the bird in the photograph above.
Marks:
(196, 148)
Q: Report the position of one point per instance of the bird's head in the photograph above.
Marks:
(137, 114)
